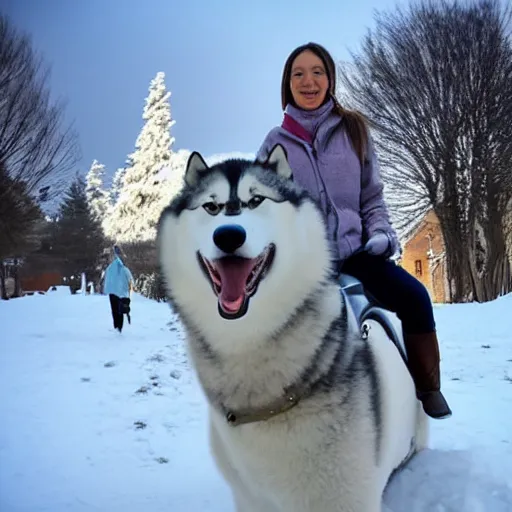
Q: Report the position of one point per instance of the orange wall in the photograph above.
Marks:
(40, 282)
(416, 249)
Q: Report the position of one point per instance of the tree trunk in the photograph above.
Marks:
(490, 268)
(3, 291)
(457, 263)
(17, 284)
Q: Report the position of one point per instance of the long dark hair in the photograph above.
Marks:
(355, 122)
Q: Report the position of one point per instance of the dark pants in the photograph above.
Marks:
(394, 289)
(117, 312)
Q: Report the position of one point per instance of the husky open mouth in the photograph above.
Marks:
(235, 279)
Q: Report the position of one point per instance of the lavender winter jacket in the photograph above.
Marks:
(350, 197)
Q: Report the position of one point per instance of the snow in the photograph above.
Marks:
(73, 391)
(58, 289)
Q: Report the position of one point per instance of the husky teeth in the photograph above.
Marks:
(256, 271)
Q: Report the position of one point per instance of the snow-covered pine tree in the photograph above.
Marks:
(136, 212)
(117, 185)
(171, 176)
(97, 197)
(113, 195)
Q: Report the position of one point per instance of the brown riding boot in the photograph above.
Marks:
(423, 362)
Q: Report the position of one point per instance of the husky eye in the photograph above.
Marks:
(212, 208)
(255, 201)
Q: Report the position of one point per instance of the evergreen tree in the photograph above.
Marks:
(171, 176)
(138, 207)
(97, 197)
(78, 235)
(117, 185)
(19, 215)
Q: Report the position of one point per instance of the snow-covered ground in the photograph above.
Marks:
(94, 420)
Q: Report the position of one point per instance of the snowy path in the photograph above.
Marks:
(97, 421)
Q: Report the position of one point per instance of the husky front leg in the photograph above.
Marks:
(245, 501)
(338, 503)
(339, 490)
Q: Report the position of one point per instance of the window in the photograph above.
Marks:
(417, 268)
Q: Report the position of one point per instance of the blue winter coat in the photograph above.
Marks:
(117, 279)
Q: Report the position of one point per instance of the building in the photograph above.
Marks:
(424, 256)
(40, 281)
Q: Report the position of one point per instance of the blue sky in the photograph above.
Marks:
(222, 59)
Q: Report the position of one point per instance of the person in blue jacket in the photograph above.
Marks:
(118, 286)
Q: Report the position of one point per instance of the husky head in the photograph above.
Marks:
(242, 247)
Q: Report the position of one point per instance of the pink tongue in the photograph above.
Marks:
(233, 274)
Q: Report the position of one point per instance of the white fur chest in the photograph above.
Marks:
(310, 448)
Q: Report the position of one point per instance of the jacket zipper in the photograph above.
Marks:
(312, 153)
(330, 206)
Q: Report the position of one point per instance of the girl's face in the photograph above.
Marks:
(308, 82)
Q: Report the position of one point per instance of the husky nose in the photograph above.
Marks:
(229, 238)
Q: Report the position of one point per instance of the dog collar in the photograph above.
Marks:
(279, 406)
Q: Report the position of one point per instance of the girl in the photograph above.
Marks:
(332, 156)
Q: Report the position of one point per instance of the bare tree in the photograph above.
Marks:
(35, 146)
(435, 81)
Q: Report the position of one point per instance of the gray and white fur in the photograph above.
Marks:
(354, 417)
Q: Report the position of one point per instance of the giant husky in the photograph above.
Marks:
(306, 414)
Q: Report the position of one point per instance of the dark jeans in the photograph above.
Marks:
(395, 289)
(115, 306)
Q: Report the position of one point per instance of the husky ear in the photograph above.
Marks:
(195, 167)
(279, 159)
